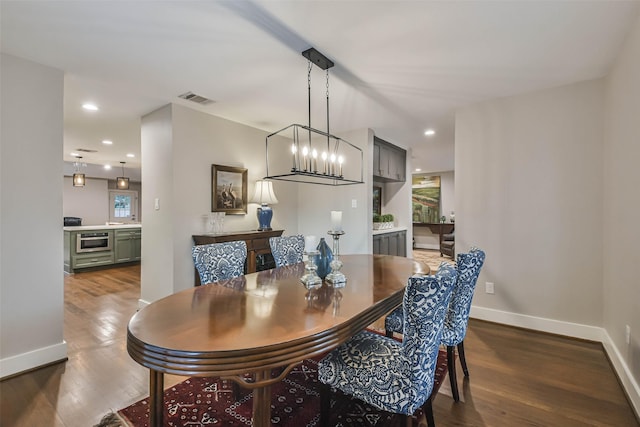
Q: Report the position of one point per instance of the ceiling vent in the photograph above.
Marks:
(190, 96)
(86, 150)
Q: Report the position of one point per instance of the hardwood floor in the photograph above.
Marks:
(518, 377)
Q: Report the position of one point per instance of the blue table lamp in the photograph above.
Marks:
(264, 196)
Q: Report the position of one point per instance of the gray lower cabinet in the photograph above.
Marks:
(124, 247)
(127, 245)
(92, 260)
(393, 243)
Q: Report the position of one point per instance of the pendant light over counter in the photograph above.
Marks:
(78, 178)
(316, 157)
(122, 182)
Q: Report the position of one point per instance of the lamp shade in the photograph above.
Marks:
(264, 194)
(122, 183)
(78, 180)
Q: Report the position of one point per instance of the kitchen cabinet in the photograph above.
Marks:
(127, 245)
(391, 243)
(92, 260)
(389, 161)
(115, 244)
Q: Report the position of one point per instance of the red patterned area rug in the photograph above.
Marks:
(295, 402)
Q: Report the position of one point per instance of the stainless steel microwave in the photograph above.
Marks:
(93, 241)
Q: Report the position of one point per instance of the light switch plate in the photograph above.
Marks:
(489, 287)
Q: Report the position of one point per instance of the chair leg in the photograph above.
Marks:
(389, 333)
(325, 404)
(427, 408)
(451, 366)
(463, 361)
(406, 421)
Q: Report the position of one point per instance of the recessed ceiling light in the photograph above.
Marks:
(429, 132)
(131, 155)
(107, 167)
(75, 154)
(90, 107)
(418, 169)
(107, 141)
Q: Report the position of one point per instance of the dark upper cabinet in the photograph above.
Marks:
(389, 161)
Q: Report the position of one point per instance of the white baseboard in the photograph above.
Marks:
(629, 383)
(142, 304)
(569, 329)
(33, 359)
(427, 246)
(575, 330)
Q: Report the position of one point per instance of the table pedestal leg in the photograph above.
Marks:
(262, 401)
(156, 399)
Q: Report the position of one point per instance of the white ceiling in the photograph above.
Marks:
(401, 66)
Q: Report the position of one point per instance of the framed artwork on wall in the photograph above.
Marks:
(425, 198)
(228, 190)
(377, 200)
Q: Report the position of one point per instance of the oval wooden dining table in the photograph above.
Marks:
(261, 321)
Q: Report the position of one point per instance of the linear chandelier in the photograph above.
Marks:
(314, 156)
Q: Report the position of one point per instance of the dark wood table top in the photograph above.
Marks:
(266, 319)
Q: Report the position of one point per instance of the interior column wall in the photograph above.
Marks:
(31, 169)
(621, 255)
(156, 270)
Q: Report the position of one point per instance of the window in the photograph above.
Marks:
(123, 206)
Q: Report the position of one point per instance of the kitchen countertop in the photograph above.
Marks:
(101, 227)
(389, 230)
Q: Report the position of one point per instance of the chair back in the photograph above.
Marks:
(455, 324)
(219, 261)
(425, 303)
(287, 250)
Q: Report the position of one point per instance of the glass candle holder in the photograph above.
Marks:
(336, 277)
(310, 279)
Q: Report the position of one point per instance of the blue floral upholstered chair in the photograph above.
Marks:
(455, 324)
(389, 375)
(287, 250)
(219, 261)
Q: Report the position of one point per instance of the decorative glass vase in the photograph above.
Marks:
(323, 259)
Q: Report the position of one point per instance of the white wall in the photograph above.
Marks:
(179, 145)
(447, 194)
(91, 202)
(156, 269)
(621, 254)
(31, 276)
(529, 192)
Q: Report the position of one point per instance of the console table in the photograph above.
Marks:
(438, 228)
(257, 246)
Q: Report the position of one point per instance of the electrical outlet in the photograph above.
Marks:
(489, 287)
(627, 334)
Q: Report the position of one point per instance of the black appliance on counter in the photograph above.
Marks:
(72, 221)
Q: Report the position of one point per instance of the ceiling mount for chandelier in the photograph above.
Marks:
(316, 157)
